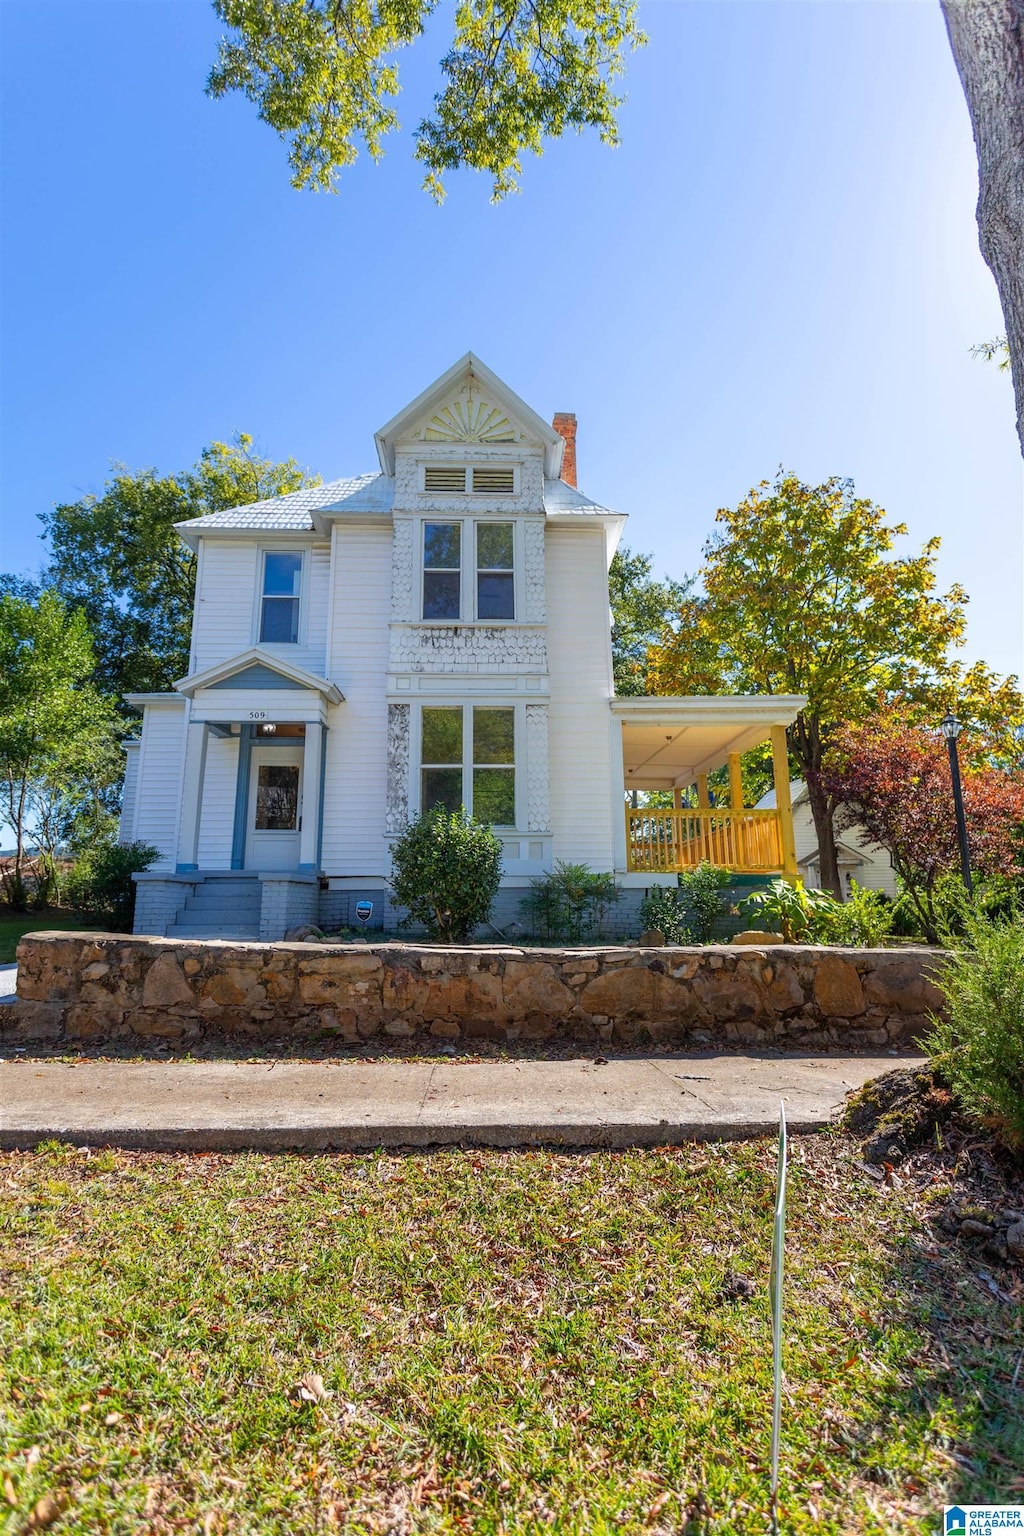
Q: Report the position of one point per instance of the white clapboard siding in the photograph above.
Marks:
(579, 660)
(225, 602)
(159, 781)
(356, 771)
(227, 606)
(129, 792)
(216, 829)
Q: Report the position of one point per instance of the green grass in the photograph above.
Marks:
(12, 928)
(509, 1343)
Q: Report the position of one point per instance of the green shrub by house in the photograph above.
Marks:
(979, 1045)
(445, 869)
(687, 913)
(569, 905)
(101, 883)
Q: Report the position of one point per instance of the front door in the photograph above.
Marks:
(275, 807)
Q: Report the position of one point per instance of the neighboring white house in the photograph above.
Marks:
(435, 632)
(859, 860)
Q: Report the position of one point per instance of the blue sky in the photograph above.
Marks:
(778, 266)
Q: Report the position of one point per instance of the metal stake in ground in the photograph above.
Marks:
(778, 1248)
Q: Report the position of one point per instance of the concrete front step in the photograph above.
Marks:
(215, 901)
(214, 930)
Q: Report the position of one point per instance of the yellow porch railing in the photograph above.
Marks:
(663, 842)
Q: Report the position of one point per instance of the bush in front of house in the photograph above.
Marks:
(445, 870)
(100, 882)
(663, 908)
(862, 921)
(569, 905)
(686, 913)
(979, 1044)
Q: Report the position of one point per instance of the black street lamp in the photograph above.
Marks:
(951, 729)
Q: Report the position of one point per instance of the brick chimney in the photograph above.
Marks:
(564, 423)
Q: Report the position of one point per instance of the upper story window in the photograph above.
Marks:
(282, 590)
(442, 570)
(495, 571)
(485, 589)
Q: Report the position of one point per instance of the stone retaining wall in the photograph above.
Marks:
(109, 987)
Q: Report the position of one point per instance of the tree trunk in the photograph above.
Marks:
(804, 737)
(824, 829)
(987, 39)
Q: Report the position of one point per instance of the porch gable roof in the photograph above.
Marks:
(258, 661)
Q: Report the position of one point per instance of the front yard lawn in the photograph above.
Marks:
(490, 1342)
(14, 925)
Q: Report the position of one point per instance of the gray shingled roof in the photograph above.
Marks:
(295, 510)
(560, 497)
(359, 493)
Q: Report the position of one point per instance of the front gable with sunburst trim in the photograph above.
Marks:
(469, 407)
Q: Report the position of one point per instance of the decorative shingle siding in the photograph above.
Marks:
(467, 648)
(534, 601)
(538, 807)
(398, 768)
(403, 585)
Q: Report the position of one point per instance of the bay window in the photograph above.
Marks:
(467, 757)
(442, 570)
(495, 571)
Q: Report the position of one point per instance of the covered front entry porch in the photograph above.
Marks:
(673, 745)
(252, 782)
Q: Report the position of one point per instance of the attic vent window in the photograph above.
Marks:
(496, 482)
(444, 477)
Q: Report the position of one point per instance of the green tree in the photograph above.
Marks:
(642, 608)
(323, 74)
(802, 595)
(57, 731)
(118, 558)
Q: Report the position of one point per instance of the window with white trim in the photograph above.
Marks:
(442, 570)
(281, 596)
(467, 758)
(495, 571)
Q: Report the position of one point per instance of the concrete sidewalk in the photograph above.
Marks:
(277, 1106)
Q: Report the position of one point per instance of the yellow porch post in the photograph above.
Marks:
(783, 801)
(677, 798)
(703, 798)
(735, 782)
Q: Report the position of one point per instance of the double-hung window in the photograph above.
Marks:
(442, 570)
(467, 757)
(282, 589)
(495, 571)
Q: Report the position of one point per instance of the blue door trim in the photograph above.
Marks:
(241, 798)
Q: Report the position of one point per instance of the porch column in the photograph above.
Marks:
(196, 736)
(312, 797)
(735, 782)
(677, 798)
(703, 798)
(783, 801)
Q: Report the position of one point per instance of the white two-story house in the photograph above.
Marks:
(436, 632)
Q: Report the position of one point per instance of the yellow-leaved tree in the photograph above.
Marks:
(801, 593)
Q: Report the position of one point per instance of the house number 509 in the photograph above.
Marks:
(257, 714)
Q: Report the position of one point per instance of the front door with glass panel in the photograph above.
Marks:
(275, 808)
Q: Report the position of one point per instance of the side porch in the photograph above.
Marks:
(671, 746)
